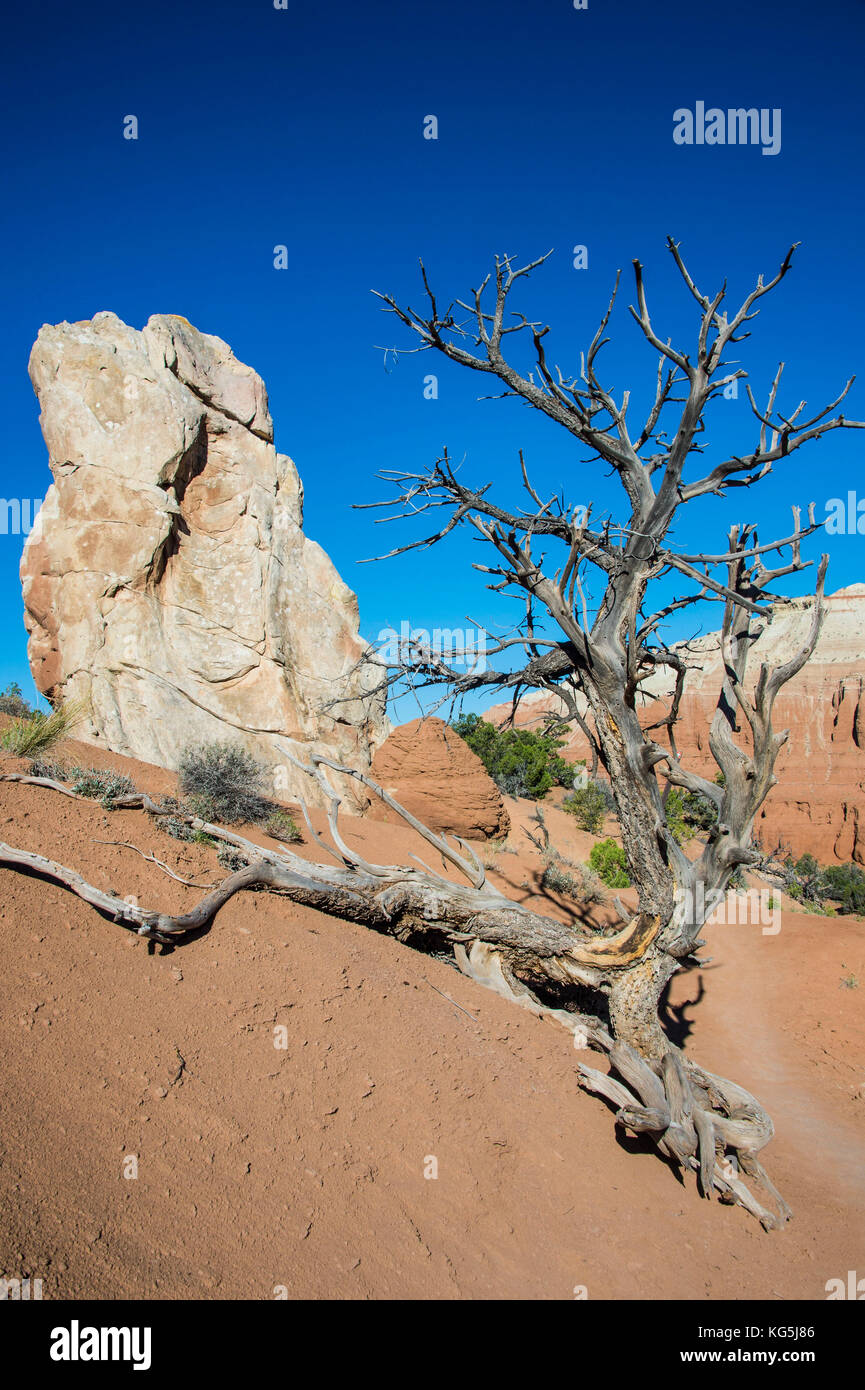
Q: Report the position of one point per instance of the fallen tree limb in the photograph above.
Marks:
(49, 782)
(151, 859)
(694, 1116)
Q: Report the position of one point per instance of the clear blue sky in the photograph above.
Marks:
(304, 126)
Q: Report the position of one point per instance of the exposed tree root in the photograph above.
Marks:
(671, 1106)
(700, 1121)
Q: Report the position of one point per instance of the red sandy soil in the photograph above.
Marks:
(304, 1167)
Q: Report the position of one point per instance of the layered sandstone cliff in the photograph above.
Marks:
(168, 579)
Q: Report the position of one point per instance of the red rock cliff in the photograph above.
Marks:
(819, 802)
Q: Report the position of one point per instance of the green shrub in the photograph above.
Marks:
(97, 783)
(688, 813)
(282, 826)
(100, 784)
(522, 762)
(803, 878)
(608, 860)
(845, 884)
(12, 702)
(561, 771)
(698, 811)
(806, 866)
(588, 807)
(813, 884)
(223, 782)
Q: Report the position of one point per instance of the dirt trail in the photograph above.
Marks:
(284, 1083)
(777, 1021)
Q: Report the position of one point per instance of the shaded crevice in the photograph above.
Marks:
(573, 998)
(191, 466)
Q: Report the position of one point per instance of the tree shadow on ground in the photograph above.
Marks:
(675, 1018)
(522, 892)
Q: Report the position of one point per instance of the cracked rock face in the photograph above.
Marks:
(167, 578)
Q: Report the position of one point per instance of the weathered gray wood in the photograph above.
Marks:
(508, 943)
(706, 1141)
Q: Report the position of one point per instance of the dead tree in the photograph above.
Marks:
(606, 659)
(704, 1122)
(598, 665)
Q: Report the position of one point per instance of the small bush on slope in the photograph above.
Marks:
(282, 826)
(607, 858)
(846, 884)
(810, 883)
(572, 880)
(97, 783)
(101, 784)
(588, 807)
(223, 782)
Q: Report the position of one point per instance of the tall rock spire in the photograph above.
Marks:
(168, 580)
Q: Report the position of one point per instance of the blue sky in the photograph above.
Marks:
(304, 127)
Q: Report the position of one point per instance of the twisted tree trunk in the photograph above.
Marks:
(706, 1124)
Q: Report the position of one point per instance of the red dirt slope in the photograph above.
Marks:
(304, 1166)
